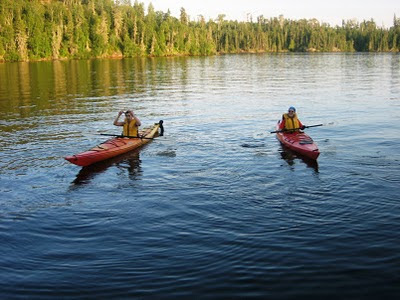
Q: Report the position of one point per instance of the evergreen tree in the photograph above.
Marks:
(51, 29)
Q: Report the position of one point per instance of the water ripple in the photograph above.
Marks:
(216, 208)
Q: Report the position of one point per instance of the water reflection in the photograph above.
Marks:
(291, 157)
(129, 162)
(57, 87)
(213, 173)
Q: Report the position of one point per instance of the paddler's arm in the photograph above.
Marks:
(116, 122)
(301, 126)
(282, 124)
(138, 123)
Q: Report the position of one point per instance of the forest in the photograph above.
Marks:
(79, 29)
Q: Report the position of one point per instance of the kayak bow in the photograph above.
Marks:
(299, 142)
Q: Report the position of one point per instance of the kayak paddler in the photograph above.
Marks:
(290, 121)
(131, 123)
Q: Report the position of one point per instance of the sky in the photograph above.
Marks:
(332, 12)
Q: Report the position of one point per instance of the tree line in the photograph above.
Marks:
(58, 29)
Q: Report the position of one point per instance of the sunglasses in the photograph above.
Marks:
(291, 110)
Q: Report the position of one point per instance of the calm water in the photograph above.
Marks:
(215, 208)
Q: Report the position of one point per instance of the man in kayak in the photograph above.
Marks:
(131, 123)
(290, 122)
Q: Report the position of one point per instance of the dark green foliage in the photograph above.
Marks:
(53, 29)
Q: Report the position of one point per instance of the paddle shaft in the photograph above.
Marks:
(127, 136)
(296, 128)
(138, 137)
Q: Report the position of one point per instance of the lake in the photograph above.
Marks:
(215, 208)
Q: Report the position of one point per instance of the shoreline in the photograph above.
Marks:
(121, 56)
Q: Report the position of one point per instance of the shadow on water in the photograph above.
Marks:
(246, 145)
(130, 161)
(290, 157)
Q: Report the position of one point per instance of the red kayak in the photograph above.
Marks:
(115, 146)
(299, 142)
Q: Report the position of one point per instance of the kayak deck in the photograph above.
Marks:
(113, 147)
(299, 142)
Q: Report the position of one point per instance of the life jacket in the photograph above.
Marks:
(130, 129)
(291, 123)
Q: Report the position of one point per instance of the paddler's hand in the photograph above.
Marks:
(120, 112)
(303, 127)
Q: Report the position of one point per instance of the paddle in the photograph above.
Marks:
(283, 130)
(138, 137)
(127, 136)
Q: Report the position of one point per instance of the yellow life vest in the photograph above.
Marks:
(291, 123)
(130, 129)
